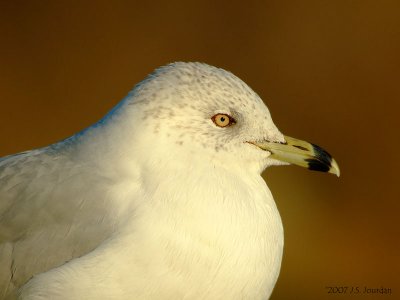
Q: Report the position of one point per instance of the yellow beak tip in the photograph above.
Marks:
(334, 168)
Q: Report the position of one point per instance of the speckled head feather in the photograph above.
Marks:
(176, 104)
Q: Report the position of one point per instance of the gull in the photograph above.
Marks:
(161, 199)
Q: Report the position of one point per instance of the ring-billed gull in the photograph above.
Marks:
(161, 199)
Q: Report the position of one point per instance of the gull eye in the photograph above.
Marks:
(223, 120)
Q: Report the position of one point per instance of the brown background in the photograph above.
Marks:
(328, 70)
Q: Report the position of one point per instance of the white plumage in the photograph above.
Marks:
(155, 201)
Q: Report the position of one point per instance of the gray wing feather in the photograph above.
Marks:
(49, 214)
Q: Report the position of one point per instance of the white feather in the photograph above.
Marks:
(152, 202)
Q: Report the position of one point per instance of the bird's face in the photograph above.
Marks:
(212, 114)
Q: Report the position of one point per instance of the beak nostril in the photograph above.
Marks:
(300, 147)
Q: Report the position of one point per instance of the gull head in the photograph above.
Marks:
(193, 111)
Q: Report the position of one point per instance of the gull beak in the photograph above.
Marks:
(300, 153)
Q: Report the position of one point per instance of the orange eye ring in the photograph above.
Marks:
(223, 120)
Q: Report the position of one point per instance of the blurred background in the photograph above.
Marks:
(328, 71)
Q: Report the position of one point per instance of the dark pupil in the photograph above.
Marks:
(222, 119)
